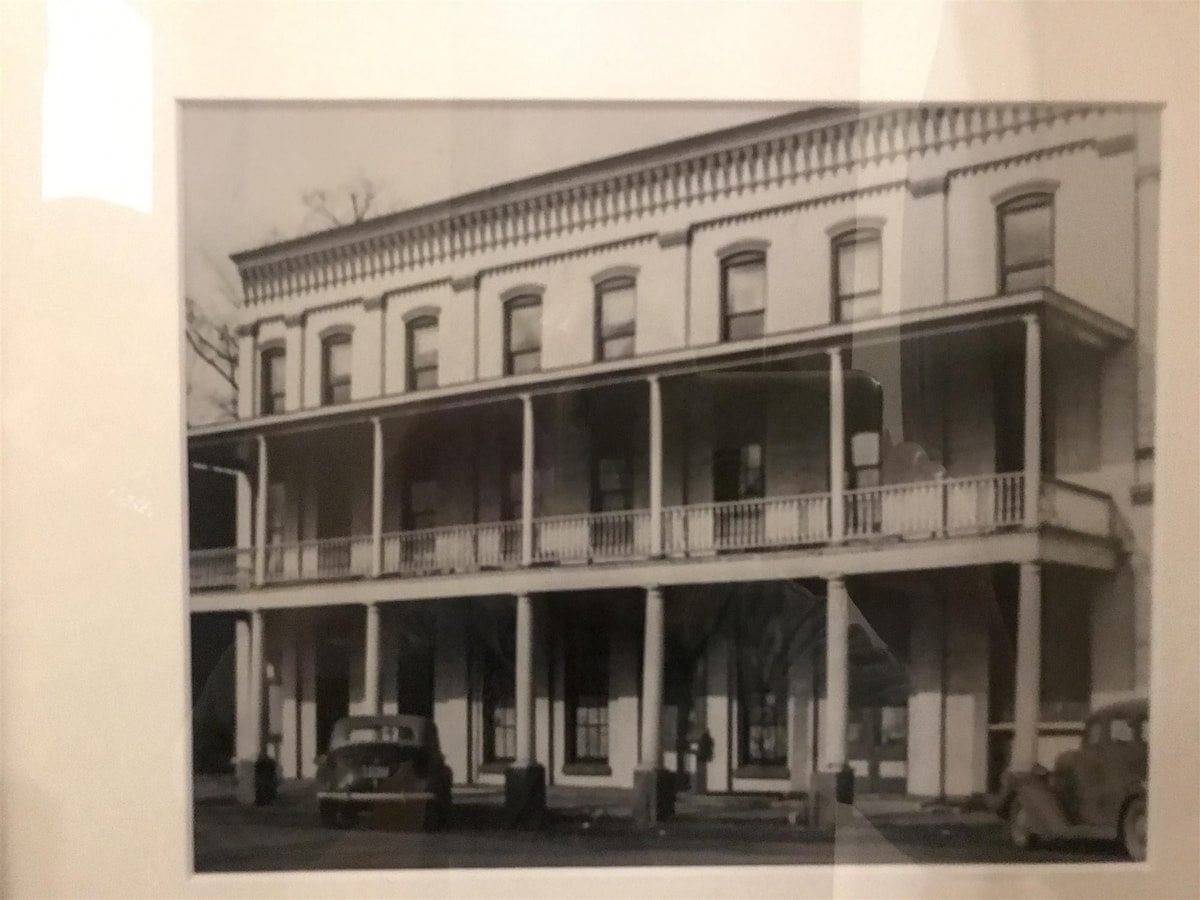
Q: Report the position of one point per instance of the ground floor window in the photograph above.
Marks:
(585, 673)
(762, 716)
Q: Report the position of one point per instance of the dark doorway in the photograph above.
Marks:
(333, 686)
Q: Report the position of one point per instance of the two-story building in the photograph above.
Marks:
(722, 465)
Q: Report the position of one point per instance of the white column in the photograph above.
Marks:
(371, 661)
(376, 497)
(524, 681)
(527, 450)
(652, 680)
(308, 697)
(1033, 418)
(837, 694)
(244, 722)
(289, 682)
(245, 529)
(1028, 689)
(257, 685)
(656, 467)
(260, 515)
(837, 447)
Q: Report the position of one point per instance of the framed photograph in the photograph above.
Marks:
(483, 478)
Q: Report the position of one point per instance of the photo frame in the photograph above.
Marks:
(94, 703)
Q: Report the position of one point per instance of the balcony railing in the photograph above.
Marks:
(1076, 508)
(318, 560)
(947, 506)
(918, 511)
(771, 522)
(224, 568)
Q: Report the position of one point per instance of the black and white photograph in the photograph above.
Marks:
(669, 484)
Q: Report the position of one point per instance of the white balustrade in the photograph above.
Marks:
(914, 511)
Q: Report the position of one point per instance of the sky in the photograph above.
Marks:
(247, 166)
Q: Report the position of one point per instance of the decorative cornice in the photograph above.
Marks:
(687, 173)
(784, 209)
(464, 283)
(294, 320)
(1121, 143)
(1009, 162)
(373, 303)
(574, 253)
(246, 329)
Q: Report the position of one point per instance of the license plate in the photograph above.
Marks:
(375, 772)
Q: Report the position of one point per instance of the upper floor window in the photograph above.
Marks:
(1026, 232)
(422, 353)
(335, 369)
(858, 274)
(273, 390)
(616, 306)
(523, 335)
(743, 295)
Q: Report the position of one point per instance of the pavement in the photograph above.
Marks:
(593, 827)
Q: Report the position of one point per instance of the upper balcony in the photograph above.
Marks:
(918, 511)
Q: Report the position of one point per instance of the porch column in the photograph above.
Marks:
(656, 463)
(653, 787)
(371, 661)
(260, 515)
(245, 529)
(249, 693)
(525, 780)
(837, 447)
(837, 639)
(1028, 689)
(1033, 418)
(376, 497)
(526, 480)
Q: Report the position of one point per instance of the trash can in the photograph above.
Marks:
(266, 781)
(844, 785)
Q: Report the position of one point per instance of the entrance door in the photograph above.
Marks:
(683, 729)
(877, 747)
(333, 687)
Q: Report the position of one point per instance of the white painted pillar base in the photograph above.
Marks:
(371, 661)
(652, 680)
(524, 682)
(837, 693)
(1028, 689)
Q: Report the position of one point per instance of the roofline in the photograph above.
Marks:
(508, 190)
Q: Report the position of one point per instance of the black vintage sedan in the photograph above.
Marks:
(389, 769)
(1097, 791)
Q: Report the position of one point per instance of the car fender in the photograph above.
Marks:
(1042, 806)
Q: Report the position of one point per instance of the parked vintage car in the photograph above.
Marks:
(389, 767)
(1097, 791)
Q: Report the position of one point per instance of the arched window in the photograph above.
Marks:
(616, 310)
(422, 353)
(523, 335)
(857, 274)
(743, 295)
(1025, 230)
(272, 387)
(335, 368)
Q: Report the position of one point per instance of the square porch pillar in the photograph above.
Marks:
(1028, 689)
(834, 784)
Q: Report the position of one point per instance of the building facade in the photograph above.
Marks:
(821, 442)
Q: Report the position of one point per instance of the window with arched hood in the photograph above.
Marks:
(335, 368)
(858, 274)
(1025, 231)
(616, 309)
(422, 353)
(523, 334)
(743, 295)
(272, 386)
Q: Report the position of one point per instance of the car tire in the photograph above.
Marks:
(1133, 829)
(1019, 830)
(330, 814)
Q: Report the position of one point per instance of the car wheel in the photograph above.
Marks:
(1133, 830)
(1018, 826)
(330, 814)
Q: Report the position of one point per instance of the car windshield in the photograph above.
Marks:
(386, 734)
